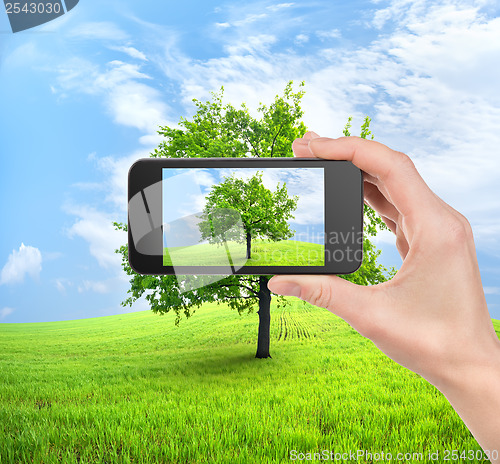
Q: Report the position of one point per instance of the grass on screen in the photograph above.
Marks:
(264, 253)
(136, 388)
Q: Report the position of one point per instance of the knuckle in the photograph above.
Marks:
(321, 296)
(400, 163)
(467, 227)
(459, 231)
(404, 160)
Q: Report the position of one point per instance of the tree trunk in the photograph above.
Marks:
(249, 245)
(264, 319)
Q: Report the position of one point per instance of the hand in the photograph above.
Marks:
(432, 316)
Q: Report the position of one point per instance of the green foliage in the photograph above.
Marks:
(221, 130)
(264, 213)
(347, 126)
(133, 388)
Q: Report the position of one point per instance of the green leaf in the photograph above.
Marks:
(218, 129)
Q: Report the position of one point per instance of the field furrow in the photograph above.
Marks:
(135, 388)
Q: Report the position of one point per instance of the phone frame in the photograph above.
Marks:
(342, 180)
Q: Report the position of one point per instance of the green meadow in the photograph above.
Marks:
(135, 388)
(264, 253)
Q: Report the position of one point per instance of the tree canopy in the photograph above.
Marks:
(264, 213)
(219, 129)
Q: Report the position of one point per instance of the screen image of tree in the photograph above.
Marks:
(243, 217)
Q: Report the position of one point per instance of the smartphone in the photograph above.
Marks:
(261, 216)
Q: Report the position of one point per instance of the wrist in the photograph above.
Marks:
(478, 370)
(473, 390)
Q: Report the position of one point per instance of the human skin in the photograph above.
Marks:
(432, 317)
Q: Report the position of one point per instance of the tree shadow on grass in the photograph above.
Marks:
(219, 365)
(199, 365)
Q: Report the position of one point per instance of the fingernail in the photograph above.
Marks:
(315, 141)
(285, 288)
(314, 135)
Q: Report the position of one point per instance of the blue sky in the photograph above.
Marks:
(82, 95)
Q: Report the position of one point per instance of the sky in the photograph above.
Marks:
(185, 192)
(81, 98)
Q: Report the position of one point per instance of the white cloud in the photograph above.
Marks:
(331, 34)
(306, 183)
(96, 228)
(4, 312)
(137, 105)
(491, 290)
(301, 39)
(115, 175)
(94, 286)
(61, 284)
(103, 30)
(25, 261)
(384, 236)
(132, 52)
(202, 177)
(429, 82)
(28, 52)
(444, 102)
(51, 255)
(243, 20)
(249, 19)
(116, 283)
(94, 225)
(280, 6)
(153, 140)
(253, 45)
(129, 101)
(241, 23)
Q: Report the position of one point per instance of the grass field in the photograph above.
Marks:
(135, 388)
(264, 253)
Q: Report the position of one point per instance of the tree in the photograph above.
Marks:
(264, 214)
(221, 130)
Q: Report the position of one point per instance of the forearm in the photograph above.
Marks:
(475, 396)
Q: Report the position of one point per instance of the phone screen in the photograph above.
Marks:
(237, 216)
(263, 216)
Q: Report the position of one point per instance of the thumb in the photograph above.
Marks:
(349, 301)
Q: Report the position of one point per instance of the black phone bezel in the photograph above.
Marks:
(343, 213)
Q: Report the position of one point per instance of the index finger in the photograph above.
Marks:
(407, 190)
